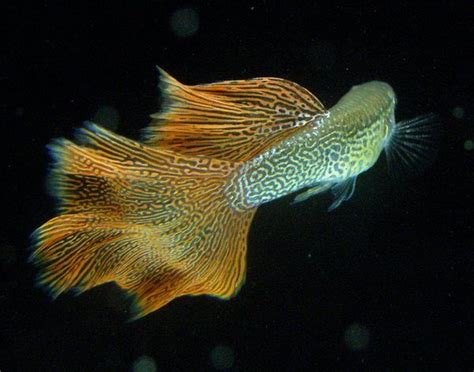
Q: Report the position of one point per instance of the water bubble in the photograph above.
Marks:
(469, 145)
(458, 112)
(184, 22)
(222, 357)
(144, 364)
(108, 117)
(356, 337)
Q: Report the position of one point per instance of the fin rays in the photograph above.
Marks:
(232, 120)
(412, 145)
(153, 221)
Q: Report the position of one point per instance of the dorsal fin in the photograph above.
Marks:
(231, 120)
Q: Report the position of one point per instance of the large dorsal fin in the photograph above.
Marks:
(232, 120)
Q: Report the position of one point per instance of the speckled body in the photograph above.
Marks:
(342, 144)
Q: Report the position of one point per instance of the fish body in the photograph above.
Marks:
(169, 216)
(341, 144)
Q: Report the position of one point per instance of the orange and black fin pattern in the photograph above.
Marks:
(231, 120)
(151, 220)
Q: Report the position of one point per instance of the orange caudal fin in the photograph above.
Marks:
(231, 120)
(151, 220)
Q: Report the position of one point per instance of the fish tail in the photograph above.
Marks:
(153, 221)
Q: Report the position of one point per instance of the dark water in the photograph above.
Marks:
(384, 282)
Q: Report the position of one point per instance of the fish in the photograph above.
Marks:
(169, 215)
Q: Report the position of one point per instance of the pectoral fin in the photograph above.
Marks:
(413, 145)
(342, 191)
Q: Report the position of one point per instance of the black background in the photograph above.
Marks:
(396, 259)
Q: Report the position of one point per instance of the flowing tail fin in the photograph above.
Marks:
(155, 222)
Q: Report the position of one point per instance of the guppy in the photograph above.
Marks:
(169, 216)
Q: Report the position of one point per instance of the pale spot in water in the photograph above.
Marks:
(144, 364)
(108, 117)
(184, 22)
(469, 145)
(458, 112)
(356, 337)
(222, 357)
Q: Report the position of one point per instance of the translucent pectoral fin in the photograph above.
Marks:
(342, 191)
(312, 191)
(413, 145)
